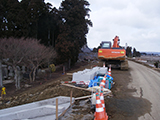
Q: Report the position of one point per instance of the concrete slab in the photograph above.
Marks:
(41, 110)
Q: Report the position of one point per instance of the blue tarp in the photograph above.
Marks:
(97, 79)
(93, 82)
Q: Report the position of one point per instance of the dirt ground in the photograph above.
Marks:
(121, 106)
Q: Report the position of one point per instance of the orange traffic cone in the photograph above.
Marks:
(104, 64)
(102, 101)
(99, 114)
(102, 98)
(103, 82)
(109, 71)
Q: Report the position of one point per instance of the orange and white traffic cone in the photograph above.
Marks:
(109, 71)
(99, 114)
(102, 98)
(103, 82)
(102, 101)
(104, 64)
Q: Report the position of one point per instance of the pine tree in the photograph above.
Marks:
(73, 29)
(34, 11)
(29, 18)
(129, 51)
(134, 52)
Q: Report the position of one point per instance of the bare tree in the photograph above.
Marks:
(37, 54)
(12, 54)
(16, 52)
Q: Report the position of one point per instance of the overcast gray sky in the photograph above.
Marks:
(136, 22)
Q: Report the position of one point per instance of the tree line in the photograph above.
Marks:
(32, 31)
(129, 52)
(64, 29)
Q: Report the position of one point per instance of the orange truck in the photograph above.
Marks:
(113, 54)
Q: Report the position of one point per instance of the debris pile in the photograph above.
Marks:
(96, 80)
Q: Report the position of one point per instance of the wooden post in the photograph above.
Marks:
(56, 108)
(71, 98)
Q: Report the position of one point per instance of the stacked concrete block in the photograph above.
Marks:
(102, 70)
(84, 75)
(88, 74)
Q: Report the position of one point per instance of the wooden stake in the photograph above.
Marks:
(69, 73)
(56, 108)
(66, 110)
(68, 85)
(71, 98)
(83, 97)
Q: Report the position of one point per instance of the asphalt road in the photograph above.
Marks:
(146, 81)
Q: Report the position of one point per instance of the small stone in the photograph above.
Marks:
(8, 102)
(30, 95)
(26, 85)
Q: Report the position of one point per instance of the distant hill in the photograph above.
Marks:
(150, 53)
(85, 48)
